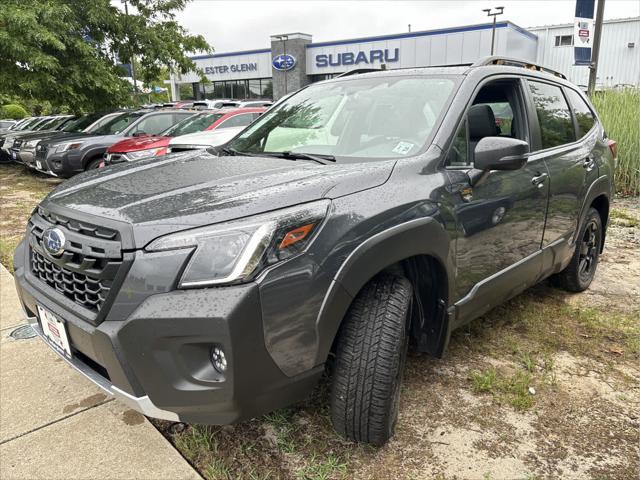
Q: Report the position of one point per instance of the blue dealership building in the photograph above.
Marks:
(294, 60)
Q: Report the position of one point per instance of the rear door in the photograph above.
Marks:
(568, 161)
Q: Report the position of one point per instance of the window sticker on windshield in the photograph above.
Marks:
(403, 148)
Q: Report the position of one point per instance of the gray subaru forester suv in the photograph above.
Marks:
(355, 217)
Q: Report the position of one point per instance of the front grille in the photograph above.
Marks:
(41, 152)
(84, 290)
(115, 158)
(79, 227)
(87, 268)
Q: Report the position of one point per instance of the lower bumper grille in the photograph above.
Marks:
(88, 292)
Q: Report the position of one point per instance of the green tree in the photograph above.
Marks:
(13, 111)
(66, 51)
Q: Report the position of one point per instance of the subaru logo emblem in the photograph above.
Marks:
(284, 62)
(53, 241)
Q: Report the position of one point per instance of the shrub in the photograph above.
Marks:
(619, 111)
(16, 112)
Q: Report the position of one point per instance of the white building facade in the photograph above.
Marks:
(258, 73)
(618, 61)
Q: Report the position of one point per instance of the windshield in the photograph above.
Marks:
(117, 123)
(374, 117)
(80, 123)
(194, 124)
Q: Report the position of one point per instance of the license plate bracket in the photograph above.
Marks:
(55, 331)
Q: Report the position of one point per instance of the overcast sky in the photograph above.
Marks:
(243, 25)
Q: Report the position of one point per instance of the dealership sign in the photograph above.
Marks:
(233, 68)
(284, 62)
(358, 58)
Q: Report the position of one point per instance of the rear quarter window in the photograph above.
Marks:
(584, 115)
(554, 116)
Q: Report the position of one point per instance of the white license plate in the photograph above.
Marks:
(39, 165)
(55, 331)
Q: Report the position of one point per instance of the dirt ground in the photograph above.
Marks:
(545, 386)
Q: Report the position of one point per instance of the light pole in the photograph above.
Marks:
(283, 39)
(133, 60)
(491, 13)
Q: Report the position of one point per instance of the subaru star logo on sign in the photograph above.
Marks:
(53, 241)
(284, 62)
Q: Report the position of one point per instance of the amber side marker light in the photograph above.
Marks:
(295, 235)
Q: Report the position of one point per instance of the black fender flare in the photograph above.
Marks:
(602, 186)
(422, 236)
(91, 154)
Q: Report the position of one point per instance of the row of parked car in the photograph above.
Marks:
(64, 145)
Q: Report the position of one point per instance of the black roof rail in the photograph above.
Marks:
(514, 62)
(358, 71)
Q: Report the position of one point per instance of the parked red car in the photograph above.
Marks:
(135, 148)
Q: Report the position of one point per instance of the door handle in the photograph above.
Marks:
(588, 163)
(539, 179)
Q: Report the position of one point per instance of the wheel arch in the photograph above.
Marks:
(601, 204)
(419, 250)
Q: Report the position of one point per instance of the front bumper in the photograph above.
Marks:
(154, 356)
(141, 404)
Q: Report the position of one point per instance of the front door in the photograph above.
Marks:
(501, 216)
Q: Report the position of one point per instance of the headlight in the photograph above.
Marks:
(235, 251)
(64, 147)
(151, 152)
(31, 143)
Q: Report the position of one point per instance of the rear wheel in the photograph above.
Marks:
(370, 357)
(578, 275)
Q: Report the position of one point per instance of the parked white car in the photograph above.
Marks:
(201, 140)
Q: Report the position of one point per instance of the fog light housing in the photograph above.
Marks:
(218, 359)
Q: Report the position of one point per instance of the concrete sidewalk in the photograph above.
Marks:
(55, 424)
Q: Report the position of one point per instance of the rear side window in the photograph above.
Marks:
(554, 117)
(581, 110)
(241, 120)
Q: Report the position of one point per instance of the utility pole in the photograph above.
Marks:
(490, 13)
(133, 59)
(409, 28)
(595, 52)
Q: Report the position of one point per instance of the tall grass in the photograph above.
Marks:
(620, 113)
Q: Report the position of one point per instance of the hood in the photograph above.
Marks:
(197, 188)
(44, 135)
(139, 143)
(212, 138)
(66, 136)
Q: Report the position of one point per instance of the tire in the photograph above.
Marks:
(370, 357)
(578, 275)
(93, 164)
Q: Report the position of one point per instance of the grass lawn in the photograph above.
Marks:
(545, 386)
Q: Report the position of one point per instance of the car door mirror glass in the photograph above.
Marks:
(500, 153)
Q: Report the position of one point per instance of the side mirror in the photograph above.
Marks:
(140, 133)
(500, 153)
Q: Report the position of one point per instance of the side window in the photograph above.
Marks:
(241, 120)
(458, 154)
(504, 117)
(582, 112)
(154, 124)
(556, 125)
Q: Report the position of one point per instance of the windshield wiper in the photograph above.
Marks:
(230, 151)
(321, 159)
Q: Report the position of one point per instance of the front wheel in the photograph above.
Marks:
(578, 275)
(370, 357)
(94, 164)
